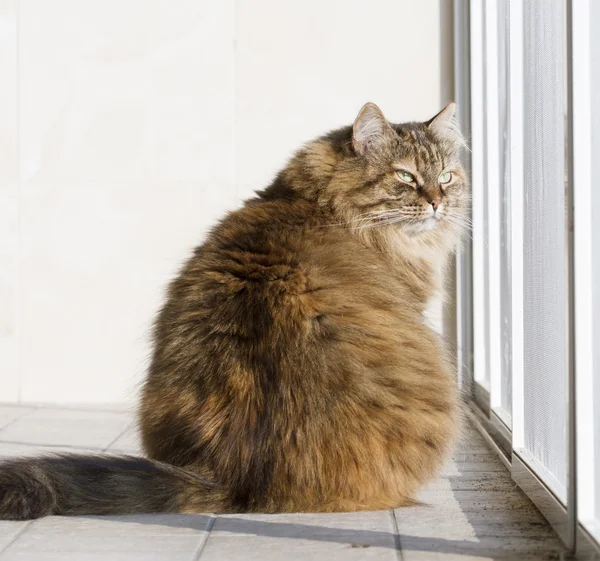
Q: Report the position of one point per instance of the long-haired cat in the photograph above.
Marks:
(293, 369)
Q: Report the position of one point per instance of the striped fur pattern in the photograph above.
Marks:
(292, 367)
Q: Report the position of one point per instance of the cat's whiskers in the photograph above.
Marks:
(374, 222)
(459, 219)
(359, 217)
(461, 222)
(375, 216)
(398, 216)
(381, 223)
(408, 215)
(369, 220)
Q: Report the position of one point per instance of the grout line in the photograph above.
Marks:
(46, 445)
(204, 540)
(118, 436)
(16, 537)
(397, 541)
(117, 408)
(21, 416)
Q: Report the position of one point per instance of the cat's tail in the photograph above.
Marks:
(78, 484)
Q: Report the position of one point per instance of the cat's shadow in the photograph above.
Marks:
(482, 543)
(484, 546)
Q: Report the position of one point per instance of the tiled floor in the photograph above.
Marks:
(473, 512)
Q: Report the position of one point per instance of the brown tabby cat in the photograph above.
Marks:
(293, 369)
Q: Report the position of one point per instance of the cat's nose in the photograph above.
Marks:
(435, 203)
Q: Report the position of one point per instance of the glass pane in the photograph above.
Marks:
(544, 267)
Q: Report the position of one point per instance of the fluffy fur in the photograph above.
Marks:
(292, 367)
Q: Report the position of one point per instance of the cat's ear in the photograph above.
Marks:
(445, 126)
(371, 130)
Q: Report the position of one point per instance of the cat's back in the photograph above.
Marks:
(275, 274)
(271, 262)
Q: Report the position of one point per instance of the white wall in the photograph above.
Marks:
(128, 126)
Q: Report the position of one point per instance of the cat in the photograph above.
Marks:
(293, 369)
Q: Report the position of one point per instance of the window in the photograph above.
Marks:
(534, 92)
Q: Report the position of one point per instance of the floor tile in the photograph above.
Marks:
(125, 537)
(476, 501)
(16, 450)
(453, 524)
(377, 526)
(366, 535)
(128, 442)
(260, 548)
(66, 427)
(9, 531)
(9, 413)
(473, 481)
(75, 414)
(95, 555)
(486, 463)
(474, 511)
(514, 549)
(475, 515)
(467, 457)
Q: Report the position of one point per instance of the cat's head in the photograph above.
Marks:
(406, 177)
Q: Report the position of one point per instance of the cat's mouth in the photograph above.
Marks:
(428, 221)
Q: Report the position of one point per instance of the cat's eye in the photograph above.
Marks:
(445, 178)
(405, 176)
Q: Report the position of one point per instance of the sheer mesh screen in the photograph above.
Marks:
(505, 256)
(545, 360)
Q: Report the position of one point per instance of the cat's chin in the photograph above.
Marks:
(424, 225)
